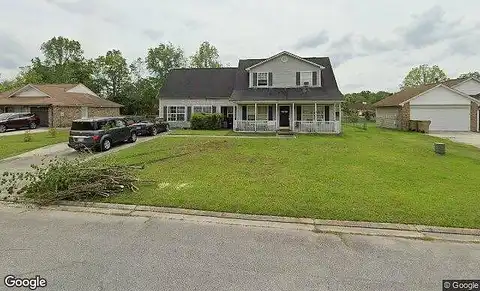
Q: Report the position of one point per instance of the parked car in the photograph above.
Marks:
(100, 133)
(18, 120)
(146, 126)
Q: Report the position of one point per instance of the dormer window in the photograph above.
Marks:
(262, 79)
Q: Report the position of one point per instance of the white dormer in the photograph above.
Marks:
(470, 87)
(28, 91)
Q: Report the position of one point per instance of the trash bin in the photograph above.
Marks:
(413, 125)
(423, 125)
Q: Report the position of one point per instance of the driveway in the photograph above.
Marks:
(83, 251)
(471, 138)
(23, 162)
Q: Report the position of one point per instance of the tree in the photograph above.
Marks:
(475, 75)
(59, 51)
(422, 75)
(205, 57)
(163, 58)
(112, 75)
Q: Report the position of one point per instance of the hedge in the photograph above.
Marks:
(206, 121)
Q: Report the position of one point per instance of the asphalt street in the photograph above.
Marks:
(84, 251)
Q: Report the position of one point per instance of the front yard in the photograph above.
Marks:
(12, 145)
(373, 175)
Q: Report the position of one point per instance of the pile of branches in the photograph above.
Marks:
(71, 180)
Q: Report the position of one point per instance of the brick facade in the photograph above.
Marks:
(63, 116)
(404, 116)
(474, 116)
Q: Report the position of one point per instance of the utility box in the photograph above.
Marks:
(439, 148)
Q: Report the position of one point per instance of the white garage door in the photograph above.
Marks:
(443, 118)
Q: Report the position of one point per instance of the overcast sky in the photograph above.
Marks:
(372, 43)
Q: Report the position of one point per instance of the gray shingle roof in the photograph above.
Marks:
(232, 83)
(199, 83)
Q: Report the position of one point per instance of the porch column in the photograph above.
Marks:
(255, 116)
(315, 112)
(276, 116)
(340, 117)
(293, 116)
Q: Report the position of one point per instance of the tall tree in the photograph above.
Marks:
(163, 58)
(112, 74)
(475, 75)
(205, 57)
(422, 75)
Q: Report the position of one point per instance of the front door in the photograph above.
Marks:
(284, 116)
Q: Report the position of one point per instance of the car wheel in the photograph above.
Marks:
(106, 145)
(154, 131)
(3, 128)
(32, 125)
(133, 137)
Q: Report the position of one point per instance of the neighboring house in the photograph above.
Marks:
(284, 91)
(58, 104)
(361, 108)
(452, 105)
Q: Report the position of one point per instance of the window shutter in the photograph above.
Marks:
(327, 113)
(189, 113)
(214, 109)
(270, 112)
(254, 80)
(298, 115)
(314, 78)
(270, 79)
(244, 112)
(298, 78)
(165, 115)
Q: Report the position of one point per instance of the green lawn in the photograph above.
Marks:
(373, 175)
(13, 145)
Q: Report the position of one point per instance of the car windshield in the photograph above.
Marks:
(4, 116)
(84, 125)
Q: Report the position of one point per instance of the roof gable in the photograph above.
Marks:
(456, 98)
(261, 62)
(28, 91)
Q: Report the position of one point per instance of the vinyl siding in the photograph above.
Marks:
(284, 74)
(470, 87)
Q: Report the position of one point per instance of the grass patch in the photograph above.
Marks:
(220, 132)
(12, 145)
(373, 175)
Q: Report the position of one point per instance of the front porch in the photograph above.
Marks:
(300, 117)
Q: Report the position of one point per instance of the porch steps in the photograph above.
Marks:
(285, 132)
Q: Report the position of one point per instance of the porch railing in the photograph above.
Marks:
(252, 125)
(317, 126)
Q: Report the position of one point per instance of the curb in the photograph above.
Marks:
(316, 225)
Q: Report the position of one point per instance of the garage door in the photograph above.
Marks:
(42, 113)
(443, 118)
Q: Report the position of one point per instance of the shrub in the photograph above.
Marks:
(52, 131)
(206, 121)
(27, 136)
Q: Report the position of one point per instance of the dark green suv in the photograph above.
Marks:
(100, 133)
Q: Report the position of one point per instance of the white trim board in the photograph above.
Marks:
(285, 53)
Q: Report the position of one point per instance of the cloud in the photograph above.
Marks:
(83, 7)
(431, 27)
(13, 54)
(313, 41)
(153, 34)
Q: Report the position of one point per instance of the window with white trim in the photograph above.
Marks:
(262, 112)
(305, 78)
(262, 79)
(308, 113)
(250, 112)
(176, 113)
(320, 113)
(202, 109)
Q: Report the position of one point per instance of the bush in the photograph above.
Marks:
(27, 136)
(206, 121)
(52, 131)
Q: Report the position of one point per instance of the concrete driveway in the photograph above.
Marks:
(471, 138)
(24, 161)
(82, 251)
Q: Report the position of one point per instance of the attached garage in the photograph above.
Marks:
(443, 118)
(42, 113)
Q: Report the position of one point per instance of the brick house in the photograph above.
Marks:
(58, 104)
(452, 105)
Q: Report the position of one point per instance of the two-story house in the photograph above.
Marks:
(283, 92)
